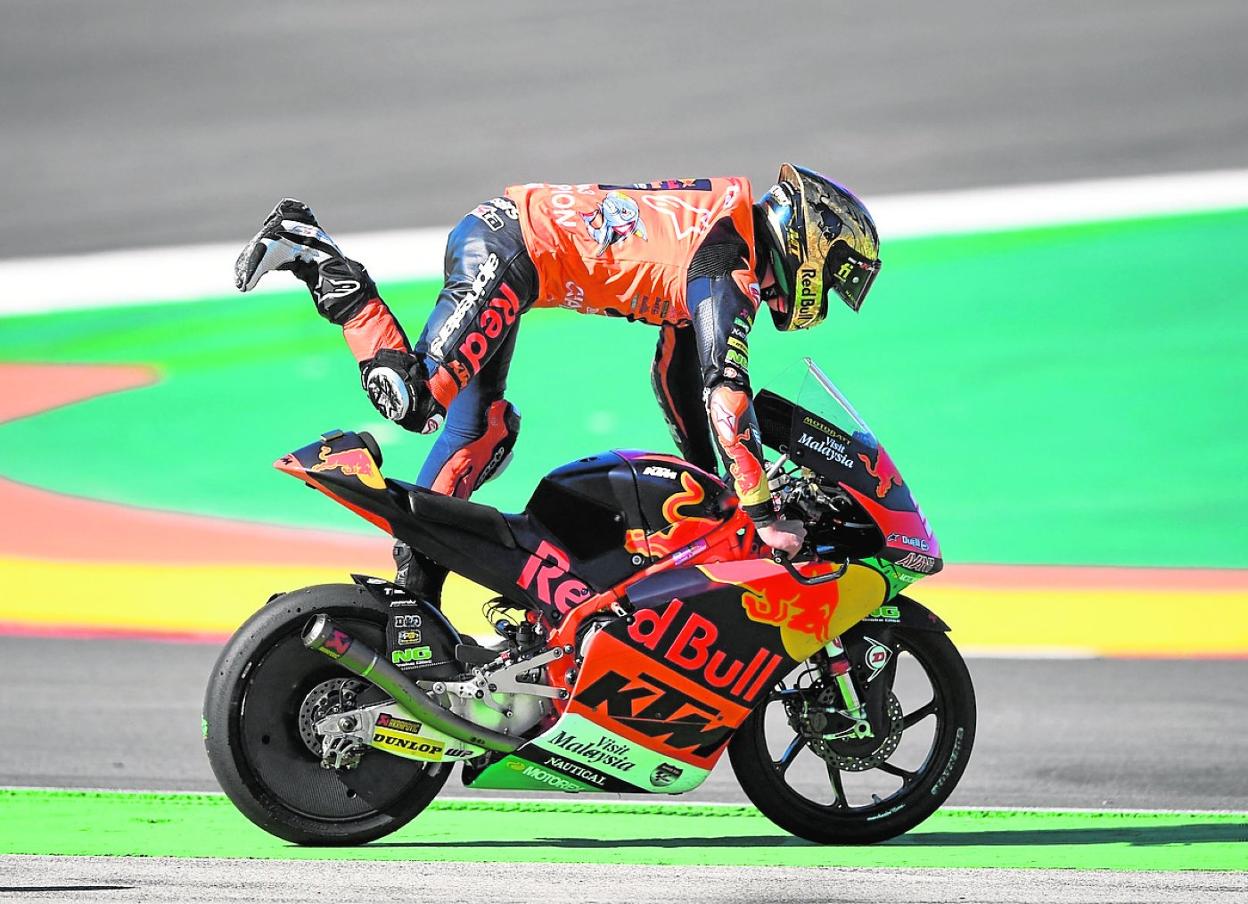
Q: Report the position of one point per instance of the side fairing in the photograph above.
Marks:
(702, 648)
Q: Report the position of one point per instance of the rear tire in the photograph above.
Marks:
(763, 777)
(252, 728)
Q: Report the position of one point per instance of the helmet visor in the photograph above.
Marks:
(779, 273)
(849, 274)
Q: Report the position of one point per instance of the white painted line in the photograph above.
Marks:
(1113, 811)
(188, 273)
(192, 272)
(1058, 203)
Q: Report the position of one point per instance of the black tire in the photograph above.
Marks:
(765, 779)
(251, 729)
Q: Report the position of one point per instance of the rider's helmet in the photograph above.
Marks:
(822, 240)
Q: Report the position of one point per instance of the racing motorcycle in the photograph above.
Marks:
(642, 631)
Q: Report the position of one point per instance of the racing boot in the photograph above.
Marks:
(291, 239)
(418, 575)
(468, 468)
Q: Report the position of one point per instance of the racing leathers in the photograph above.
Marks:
(677, 254)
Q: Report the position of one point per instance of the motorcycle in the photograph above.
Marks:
(641, 632)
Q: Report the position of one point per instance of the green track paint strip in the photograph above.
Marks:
(182, 825)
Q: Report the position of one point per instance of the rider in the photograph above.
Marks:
(693, 257)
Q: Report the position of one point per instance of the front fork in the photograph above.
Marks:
(853, 707)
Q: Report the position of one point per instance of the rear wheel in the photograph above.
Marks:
(860, 790)
(266, 692)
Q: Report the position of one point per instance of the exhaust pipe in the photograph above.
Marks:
(322, 635)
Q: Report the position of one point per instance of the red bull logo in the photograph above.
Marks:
(353, 463)
(546, 573)
(883, 470)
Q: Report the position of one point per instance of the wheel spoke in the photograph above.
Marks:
(834, 775)
(906, 777)
(790, 754)
(919, 714)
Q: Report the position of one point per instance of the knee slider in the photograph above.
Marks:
(485, 457)
(399, 389)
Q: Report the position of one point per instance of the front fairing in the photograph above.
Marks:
(820, 430)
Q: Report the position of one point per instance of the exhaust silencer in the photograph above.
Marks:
(322, 635)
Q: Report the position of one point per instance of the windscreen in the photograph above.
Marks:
(803, 414)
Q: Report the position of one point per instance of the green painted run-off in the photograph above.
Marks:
(207, 825)
(1070, 395)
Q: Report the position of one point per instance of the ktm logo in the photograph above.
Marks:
(657, 710)
(546, 573)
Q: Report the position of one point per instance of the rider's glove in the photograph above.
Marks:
(398, 386)
(291, 239)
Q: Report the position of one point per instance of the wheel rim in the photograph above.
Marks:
(839, 779)
(274, 744)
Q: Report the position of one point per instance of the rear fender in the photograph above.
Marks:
(420, 640)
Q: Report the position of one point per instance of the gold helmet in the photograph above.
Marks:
(822, 240)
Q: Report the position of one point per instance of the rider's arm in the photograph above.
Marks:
(676, 377)
(722, 304)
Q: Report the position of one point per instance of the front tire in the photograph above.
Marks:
(260, 752)
(816, 802)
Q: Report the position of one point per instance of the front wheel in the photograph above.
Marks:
(267, 691)
(860, 790)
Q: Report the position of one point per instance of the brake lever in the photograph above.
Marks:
(781, 559)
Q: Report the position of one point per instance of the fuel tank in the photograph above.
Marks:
(616, 512)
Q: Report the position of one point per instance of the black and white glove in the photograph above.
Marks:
(291, 239)
(398, 386)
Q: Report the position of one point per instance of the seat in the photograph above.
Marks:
(482, 520)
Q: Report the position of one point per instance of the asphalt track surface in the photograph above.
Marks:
(1146, 734)
(156, 878)
(156, 123)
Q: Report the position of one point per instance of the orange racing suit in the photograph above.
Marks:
(677, 254)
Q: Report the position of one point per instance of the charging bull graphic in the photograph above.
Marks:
(727, 408)
(614, 220)
(883, 470)
(352, 462)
